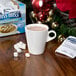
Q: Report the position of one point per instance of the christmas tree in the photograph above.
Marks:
(49, 14)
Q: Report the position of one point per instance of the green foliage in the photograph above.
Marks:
(63, 28)
(72, 31)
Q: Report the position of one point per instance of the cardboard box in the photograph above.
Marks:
(14, 22)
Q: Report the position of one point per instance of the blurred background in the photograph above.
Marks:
(28, 10)
(52, 16)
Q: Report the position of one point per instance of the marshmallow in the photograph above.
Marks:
(21, 45)
(19, 50)
(16, 46)
(27, 55)
(15, 54)
(21, 42)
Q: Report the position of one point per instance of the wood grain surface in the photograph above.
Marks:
(48, 64)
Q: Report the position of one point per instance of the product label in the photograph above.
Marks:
(10, 15)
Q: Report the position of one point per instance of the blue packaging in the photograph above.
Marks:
(14, 22)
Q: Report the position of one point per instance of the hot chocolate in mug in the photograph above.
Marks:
(37, 35)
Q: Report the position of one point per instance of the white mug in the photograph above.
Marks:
(36, 39)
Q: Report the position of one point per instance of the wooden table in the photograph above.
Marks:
(48, 64)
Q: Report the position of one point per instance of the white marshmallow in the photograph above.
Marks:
(21, 45)
(19, 50)
(27, 55)
(15, 46)
(21, 42)
(15, 54)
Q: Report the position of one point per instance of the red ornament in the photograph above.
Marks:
(42, 8)
(37, 5)
(40, 5)
(41, 16)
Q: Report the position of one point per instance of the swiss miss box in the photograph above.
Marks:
(12, 19)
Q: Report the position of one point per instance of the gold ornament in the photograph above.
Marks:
(51, 12)
(33, 14)
(61, 38)
(49, 19)
(55, 25)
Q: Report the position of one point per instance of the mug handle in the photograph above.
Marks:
(51, 38)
